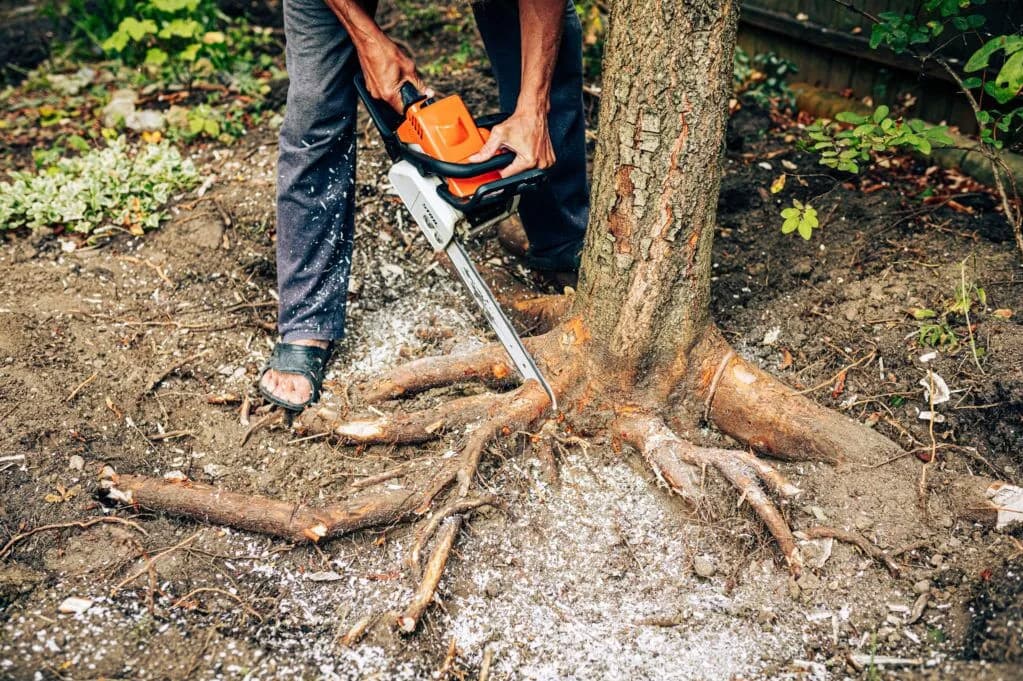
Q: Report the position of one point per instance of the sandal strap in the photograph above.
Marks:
(308, 361)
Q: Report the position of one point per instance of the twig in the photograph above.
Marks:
(869, 356)
(150, 562)
(488, 659)
(78, 388)
(81, 524)
(177, 365)
(171, 435)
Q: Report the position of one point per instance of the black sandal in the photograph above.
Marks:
(307, 361)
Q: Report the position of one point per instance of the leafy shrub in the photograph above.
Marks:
(99, 192)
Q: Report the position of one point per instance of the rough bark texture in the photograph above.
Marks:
(645, 281)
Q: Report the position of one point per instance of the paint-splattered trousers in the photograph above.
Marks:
(316, 162)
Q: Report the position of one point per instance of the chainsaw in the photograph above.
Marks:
(447, 196)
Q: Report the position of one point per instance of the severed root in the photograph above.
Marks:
(857, 540)
(679, 463)
(288, 520)
(409, 619)
(547, 311)
(488, 365)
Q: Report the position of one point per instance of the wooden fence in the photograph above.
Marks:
(829, 44)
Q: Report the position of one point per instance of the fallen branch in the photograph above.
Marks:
(207, 589)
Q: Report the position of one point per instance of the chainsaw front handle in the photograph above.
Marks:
(387, 121)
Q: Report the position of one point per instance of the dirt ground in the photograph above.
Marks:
(137, 354)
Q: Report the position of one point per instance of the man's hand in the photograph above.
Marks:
(525, 133)
(385, 68)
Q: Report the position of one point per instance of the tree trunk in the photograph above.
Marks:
(645, 282)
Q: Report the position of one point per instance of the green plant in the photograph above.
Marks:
(104, 190)
(905, 33)
(861, 137)
(944, 328)
(801, 218)
(225, 124)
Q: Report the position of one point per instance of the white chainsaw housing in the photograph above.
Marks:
(434, 216)
(438, 219)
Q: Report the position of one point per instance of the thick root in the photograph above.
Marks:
(293, 521)
(758, 409)
(408, 428)
(488, 365)
(679, 464)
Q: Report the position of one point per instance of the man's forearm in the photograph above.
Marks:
(357, 18)
(540, 22)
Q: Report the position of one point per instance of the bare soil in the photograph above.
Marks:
(114, 355)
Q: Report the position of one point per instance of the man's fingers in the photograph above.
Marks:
(489, 148)
(519, 165)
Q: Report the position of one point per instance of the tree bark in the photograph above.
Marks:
(645, 280)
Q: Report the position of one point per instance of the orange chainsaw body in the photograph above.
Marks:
(444, 130)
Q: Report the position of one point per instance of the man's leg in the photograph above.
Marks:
(315, 184)
(555, 216)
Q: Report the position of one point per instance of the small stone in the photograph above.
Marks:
(214, 470)
(74, 605)
(793, 588)
(144, 121)
(704, 566)
(922, 587)
(75, 462)
(937, 559)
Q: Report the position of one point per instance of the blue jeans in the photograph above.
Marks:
(316, 160)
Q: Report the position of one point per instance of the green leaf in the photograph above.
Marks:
(195, 125)
(972, 82)
(212, 128)
(137, 30)
(181, 28)
(155, 56)
(789, 225)
(190, 53)
(116, 42)
(805, 230)
(850, 117)
(921, 313)
(1011, 74)
(172, 6)
(790, 213)
(78, 143)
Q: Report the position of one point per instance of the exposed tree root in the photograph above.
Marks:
(488, 365)
(409, 619)
(741, 400)
(758, 409)
(857, 540)
(679, 464)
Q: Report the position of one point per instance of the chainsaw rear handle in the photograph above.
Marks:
(387, 121)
